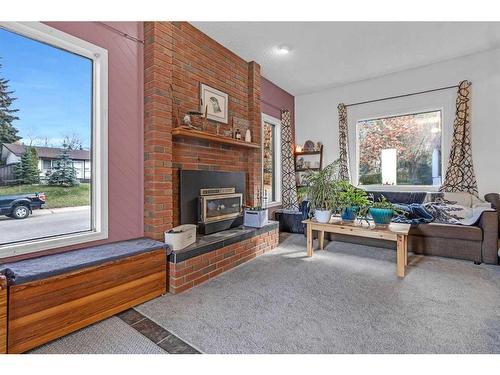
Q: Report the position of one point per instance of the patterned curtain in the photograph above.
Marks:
(288, 188)
(343, 143)
(460, 175)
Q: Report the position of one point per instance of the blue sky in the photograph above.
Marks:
(52, 87)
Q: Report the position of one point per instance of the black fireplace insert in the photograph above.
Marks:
(212, 200)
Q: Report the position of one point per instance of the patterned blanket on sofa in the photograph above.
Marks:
(449, 212)
(443, 208)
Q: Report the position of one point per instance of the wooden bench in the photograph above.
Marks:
(51, 296)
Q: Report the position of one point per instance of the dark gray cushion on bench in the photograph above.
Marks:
(51, 265)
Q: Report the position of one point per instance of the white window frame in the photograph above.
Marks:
(99, 192)
(381, 187)
(277, 161)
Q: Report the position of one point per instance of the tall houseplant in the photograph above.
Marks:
(321, 191)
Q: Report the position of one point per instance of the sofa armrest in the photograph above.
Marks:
(494, 199)
(489, 248)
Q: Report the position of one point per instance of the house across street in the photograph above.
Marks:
(11, 154)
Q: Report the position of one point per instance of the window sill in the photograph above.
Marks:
(273, 204)
(429, 188)
(27, 247)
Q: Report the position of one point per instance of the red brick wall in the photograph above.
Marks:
(178, 57)
(157, 128)
(194, 271)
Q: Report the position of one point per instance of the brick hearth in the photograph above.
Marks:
(194, 270)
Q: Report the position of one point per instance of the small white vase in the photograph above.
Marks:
(322, 216)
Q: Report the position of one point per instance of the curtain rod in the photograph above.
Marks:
(402, 96)
(125, 35)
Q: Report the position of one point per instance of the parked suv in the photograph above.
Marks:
(22, 205)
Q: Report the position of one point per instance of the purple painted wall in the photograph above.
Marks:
(125, 123)
(126, 130)
(274, 98)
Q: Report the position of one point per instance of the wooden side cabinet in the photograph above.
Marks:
(3, 314)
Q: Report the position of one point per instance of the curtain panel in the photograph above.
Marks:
(460, 176)
(288, 188)
(343, 143)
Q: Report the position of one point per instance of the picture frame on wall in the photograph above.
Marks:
(215, 102)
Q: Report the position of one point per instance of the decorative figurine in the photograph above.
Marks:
(237, 135)
(187, 120)
(300, 163)
(248, 136)
(309, 146)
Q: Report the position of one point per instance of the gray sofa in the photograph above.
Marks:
(478, 243)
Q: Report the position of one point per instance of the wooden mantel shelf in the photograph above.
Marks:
(193, 133)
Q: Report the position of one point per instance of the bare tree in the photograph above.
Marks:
(73, 142)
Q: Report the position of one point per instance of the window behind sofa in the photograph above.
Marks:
(400, 150)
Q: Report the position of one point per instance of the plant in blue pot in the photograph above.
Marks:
(382, 211)
(352, 200)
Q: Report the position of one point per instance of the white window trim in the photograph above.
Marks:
(99, 203)
(277, 166)
(429, 188)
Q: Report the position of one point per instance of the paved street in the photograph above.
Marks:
(44, 223)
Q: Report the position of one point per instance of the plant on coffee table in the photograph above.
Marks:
(321, 189)
(351, 199)
(382, 211)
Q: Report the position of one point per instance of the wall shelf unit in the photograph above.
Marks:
(199, 134)
(301, 168)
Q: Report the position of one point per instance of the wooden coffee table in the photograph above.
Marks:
(392, 232)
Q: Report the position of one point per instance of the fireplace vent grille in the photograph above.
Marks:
(217, 191)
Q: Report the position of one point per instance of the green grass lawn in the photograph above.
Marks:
(57, 196)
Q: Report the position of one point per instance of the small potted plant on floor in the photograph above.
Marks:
(382, 211)
(321, 189)
(352, 199)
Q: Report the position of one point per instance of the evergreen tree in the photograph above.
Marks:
(63, 172)
(8, 133)
(27, 171)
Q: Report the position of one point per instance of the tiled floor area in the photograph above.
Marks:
(127, 333)
(157, 334)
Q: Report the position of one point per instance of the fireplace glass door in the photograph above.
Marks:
(220, 207)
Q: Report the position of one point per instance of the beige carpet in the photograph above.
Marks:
(346, 299)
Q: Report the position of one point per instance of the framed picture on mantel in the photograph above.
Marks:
(215, 102)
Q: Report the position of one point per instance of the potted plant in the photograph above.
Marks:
(256, 216)
(382, 211)
(321, 191)
(351, 199)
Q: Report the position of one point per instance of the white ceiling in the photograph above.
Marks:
(329, 54)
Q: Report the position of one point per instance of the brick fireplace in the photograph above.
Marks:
(178, 58)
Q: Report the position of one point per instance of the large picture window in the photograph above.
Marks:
(400, 150)
(53, 138)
